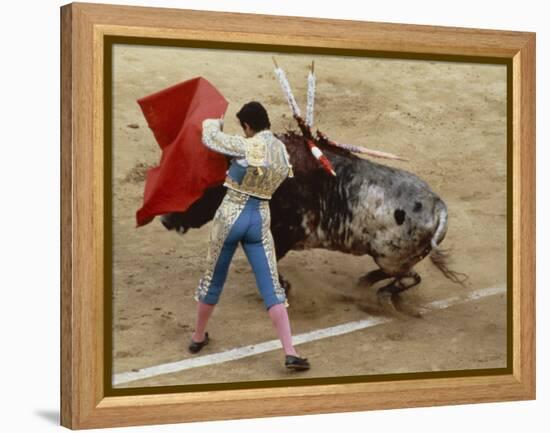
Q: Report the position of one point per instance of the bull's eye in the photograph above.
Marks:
(399, 216)
(417, 206)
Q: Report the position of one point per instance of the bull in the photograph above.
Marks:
(368, 208)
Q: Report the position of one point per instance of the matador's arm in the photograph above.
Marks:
(218, 141)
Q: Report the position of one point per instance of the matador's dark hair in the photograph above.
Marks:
(255, 115)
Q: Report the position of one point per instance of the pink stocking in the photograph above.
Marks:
(203, 314)
(279, 317)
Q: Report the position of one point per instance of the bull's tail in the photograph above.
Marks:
(440, 211)
(438, 256)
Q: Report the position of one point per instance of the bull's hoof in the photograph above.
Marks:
(364, 281)
(393, 305)
(371, 278)
(385, 301)
(405, 308)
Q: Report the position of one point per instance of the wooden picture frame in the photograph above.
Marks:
(84, 30)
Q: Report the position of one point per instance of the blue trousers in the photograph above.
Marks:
(242, 219)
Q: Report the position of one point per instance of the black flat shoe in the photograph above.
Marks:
(195, 347)
(296, 363)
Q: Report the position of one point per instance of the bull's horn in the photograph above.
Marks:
(371, 152)
(359, 149)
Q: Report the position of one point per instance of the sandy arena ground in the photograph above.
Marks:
(449, 119)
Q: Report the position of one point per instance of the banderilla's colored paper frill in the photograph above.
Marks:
(187, 167)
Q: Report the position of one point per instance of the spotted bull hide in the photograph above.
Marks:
(366, 209)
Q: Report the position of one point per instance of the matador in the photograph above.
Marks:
(260, 163)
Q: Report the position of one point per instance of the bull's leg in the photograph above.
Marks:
(366, 302)
(285, 284)
(389, 294)
(397, 285)
(373, 277)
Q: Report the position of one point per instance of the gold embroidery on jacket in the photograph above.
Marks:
(256, 150)
(264, 173)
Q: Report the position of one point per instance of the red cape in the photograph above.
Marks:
(187, 167)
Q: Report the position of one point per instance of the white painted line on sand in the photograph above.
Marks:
(268, 346)
(472, 296)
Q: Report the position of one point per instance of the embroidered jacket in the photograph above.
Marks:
(260, 163)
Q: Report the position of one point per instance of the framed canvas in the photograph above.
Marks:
(453, 112)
